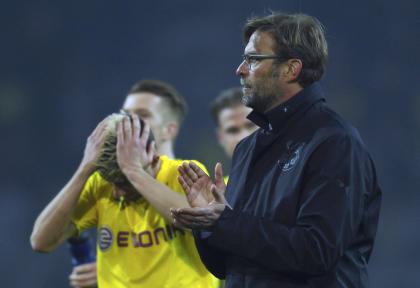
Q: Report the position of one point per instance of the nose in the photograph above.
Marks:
(242, 69)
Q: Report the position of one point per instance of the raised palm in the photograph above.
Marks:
(198, 185)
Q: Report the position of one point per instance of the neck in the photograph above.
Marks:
(288, 92)
(166, 148)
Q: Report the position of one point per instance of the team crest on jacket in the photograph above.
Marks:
(105, 238)
(293, 155)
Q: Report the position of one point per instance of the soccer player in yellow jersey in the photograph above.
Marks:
(137, 246)
(164, 108)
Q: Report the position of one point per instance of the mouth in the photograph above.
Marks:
(246, 90)
(244, 85)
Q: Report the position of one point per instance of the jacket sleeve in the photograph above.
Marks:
(213, 258)
(335, 185)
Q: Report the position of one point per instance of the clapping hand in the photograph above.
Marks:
(205, 197)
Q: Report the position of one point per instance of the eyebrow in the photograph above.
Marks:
(139, 111)
(251, 52)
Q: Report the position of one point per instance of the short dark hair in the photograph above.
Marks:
(296, 36)
(228, 98)
(175, 101)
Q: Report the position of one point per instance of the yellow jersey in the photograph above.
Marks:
(136, 246)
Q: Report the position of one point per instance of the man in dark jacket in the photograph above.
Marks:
(302, 202)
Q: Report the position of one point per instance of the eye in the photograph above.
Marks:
(252, 60)
(249, 59)
(144, 115)
(232, 130)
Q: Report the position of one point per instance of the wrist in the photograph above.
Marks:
(131, 171)
(86, 168)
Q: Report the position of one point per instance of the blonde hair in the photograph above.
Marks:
(107, 164)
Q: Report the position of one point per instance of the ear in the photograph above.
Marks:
(293, 67)
(171, 130)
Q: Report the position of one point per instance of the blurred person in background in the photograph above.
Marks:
(230, 114)
(302, 202)
(123, 189)
(164, 108)
(232, 125)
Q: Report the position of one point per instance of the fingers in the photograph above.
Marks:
(94, 144)
(145, 134)
(192, 224)
(120, 133)
(196, 212)
(181, 223)
(184, 184)
(197, 170)
(151, 150)
(98, 135)
(196, 218)
(84, 283)
(218, 195)
(101, 126)
(89, 267)
(156, 159)
(136, 125)
(185, 181)
(187, 173)
(203, 220)
(83, 275)
(181, 169)
(127, 128)
(218, 174)
(176, 220)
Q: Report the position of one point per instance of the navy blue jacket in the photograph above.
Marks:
(305, 202)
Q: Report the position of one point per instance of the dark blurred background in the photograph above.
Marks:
(64, 65)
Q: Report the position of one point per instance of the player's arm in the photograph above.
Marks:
(133, 156)
(160, 196)
(53, 225)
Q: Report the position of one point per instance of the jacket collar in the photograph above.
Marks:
(273, 119)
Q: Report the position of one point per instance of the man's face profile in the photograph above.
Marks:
(260, 83)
